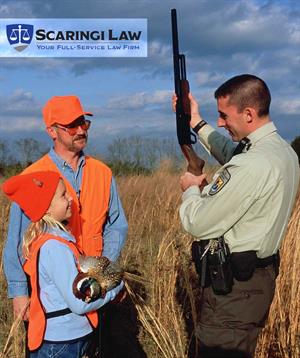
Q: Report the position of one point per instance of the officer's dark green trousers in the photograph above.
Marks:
(234, 321)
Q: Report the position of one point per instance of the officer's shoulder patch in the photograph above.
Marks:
(220, 182)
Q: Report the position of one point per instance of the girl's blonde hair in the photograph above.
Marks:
(36, 229)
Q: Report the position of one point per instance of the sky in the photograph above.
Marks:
(132, 96)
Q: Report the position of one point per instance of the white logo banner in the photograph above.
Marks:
(73, 37)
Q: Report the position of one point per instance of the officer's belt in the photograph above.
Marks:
(266, 261)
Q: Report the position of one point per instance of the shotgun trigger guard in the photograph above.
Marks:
(193, 138)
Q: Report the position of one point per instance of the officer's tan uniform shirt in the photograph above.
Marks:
(251, 196)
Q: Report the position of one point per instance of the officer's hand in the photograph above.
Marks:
(21, 307)
(195, 115)
(189, 179)
(174, 101)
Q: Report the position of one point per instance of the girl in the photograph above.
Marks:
(60, 325)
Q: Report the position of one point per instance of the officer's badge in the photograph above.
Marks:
(220, 182)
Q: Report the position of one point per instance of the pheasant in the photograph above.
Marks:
(96, 276)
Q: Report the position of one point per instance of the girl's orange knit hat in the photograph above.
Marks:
(33, 192)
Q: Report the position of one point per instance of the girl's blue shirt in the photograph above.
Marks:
(114, 232)
(57, 271)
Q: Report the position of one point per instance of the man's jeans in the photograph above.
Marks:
(61, 350)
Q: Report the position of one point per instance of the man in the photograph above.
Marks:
(98, 221)
(249, 203)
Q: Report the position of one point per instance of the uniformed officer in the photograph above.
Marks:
(248, 202)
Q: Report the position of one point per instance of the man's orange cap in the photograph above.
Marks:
(33, 192)
(63, 110)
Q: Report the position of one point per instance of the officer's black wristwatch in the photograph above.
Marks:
(199, 125)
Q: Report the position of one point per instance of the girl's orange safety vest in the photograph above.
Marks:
(37, 319)
(89, 211)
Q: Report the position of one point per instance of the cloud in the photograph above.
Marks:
(289, 106)
(208, 78)
(295, 34)
(218, 39)
(160, 51)
(140, 100)
(15, 8)
(211, 33)
(19, 112)
(243, 26)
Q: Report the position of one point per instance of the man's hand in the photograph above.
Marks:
(174, 101)
(21, 307)
(195, 116)
(189, 179)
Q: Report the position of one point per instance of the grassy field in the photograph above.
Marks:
(160, 314)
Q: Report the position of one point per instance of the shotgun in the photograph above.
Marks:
(183, 111)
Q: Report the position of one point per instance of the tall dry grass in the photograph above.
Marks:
(167, 303)
(156, 250)
(281, 336)
(11, 331)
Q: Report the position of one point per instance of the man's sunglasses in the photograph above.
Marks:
(73, 128)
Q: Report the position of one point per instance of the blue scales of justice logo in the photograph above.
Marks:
(19, 35)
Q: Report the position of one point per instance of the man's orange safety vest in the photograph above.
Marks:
(89, 211)
(37, 318)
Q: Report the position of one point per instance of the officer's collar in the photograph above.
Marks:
(262, 132)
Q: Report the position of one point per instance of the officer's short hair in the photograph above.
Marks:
(246, 91)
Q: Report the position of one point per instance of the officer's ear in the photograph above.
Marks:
(249, 114)
(52, 132)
